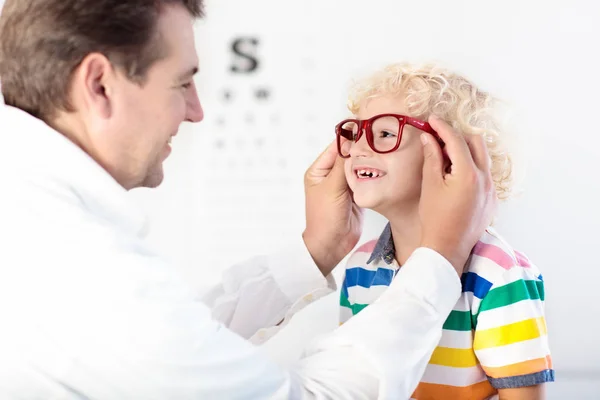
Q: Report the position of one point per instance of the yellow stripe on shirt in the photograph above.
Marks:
(457, 358)
(509, 334)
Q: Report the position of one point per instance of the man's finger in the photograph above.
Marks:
(433, 163)
(321, 167)
(479, 152)
(338, 174)
(456, 146)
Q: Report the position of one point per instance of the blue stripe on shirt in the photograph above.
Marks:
(357, 276)
(471, 282)
(366, 278)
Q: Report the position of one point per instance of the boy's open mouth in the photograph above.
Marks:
(368, 173)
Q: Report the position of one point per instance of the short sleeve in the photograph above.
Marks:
(511, 339)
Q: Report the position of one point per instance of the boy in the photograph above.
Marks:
(494, 344)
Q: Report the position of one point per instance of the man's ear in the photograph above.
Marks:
(93, 82)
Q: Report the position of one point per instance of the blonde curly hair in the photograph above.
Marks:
(429, 89)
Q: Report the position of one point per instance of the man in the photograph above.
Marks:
(95, 90)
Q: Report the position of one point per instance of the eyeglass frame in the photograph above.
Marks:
(366, 125)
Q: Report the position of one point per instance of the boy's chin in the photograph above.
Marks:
(367, 200)
(382, 205)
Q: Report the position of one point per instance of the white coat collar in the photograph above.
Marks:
(37, 152)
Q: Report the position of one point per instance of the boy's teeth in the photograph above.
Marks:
(367, 174)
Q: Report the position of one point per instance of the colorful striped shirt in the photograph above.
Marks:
(494, 338)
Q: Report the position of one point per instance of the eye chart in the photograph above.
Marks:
(273, 82)
(271, 102)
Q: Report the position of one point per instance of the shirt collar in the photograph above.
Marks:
(384, 249)
(39, 151)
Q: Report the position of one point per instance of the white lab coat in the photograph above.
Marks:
(89, 311)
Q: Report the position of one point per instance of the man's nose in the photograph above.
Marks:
(194, 111)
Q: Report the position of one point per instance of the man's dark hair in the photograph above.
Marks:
(42, 42)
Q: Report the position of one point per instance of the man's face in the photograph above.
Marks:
(147, 117)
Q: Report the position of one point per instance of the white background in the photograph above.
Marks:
(234, 182)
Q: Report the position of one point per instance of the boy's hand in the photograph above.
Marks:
(457, 206)
(333, 220)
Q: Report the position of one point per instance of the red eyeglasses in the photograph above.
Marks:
(384, 131)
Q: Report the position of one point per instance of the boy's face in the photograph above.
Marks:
(398, 181)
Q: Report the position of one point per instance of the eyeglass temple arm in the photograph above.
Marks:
(424, 126)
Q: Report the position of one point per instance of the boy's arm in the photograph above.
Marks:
(511, 341)
(537, 392)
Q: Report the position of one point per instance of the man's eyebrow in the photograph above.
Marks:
(188, 74)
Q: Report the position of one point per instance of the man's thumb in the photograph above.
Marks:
(433, 165)
(338, 175)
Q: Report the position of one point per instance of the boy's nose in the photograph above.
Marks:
(361, 148)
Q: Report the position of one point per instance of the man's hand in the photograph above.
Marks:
(333, 220)
(457, 205)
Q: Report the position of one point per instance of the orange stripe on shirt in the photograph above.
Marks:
(434, 391)
(522, 368)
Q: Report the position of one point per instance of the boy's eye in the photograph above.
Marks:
(387, 134)
(186, 85)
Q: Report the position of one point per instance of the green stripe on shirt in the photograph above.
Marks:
(458, 321)
(511, 293)
(356, 308)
